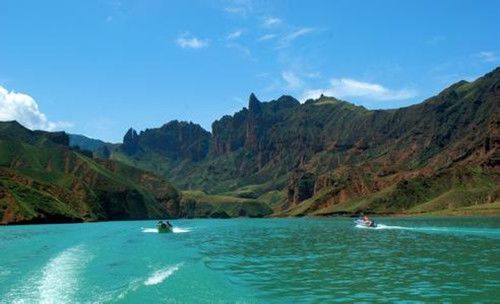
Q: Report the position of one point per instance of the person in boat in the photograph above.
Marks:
(162, 224)
(367, 221)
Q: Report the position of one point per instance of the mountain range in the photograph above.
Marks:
(278, 158)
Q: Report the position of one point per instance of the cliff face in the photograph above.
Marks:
(254, 123)
(247, 127)
(176, 140)
(130, 142)
(327, 155)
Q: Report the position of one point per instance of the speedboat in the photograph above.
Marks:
(361, 222)
(164, 227)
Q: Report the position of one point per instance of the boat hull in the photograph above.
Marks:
(364, 224)
(164, 229)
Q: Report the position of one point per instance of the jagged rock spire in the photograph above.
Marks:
(254, 104)
(130, 141)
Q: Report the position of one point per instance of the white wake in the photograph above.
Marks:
(180, 230)
(460, 230)
(60, 276)
(160, 275)
(382, 226)
(57, 282)
(174, 230)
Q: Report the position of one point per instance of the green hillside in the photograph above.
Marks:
(276, 158)
(86, 143)
(44, 181)
(328, 156)
(199, 204)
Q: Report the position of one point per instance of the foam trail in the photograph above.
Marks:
(60, 276)
(174, 230)
(133, 285)
(382, 226)
(56, 282)
(486, 231)
(180, 230)
(159, 276)
(4, 273)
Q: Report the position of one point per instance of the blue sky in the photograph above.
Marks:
(100, 67)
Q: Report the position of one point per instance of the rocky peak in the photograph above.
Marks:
(283, 103)
(287, 99)
(254, 105)
(130, 141)
(175, 139)
(253, 122)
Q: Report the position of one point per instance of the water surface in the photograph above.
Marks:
(253, 261)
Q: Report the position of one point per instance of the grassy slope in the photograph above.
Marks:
(453, 173)
(200, 204)
(455, 189)
(43, 181)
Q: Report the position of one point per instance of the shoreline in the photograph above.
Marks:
(444, 213)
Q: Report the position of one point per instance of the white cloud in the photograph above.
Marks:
(345, 87)
(290, 37)
(488, 56)
(187, 41)
(271, 21)
(234, 35)
(24, 109)
(292, 80)
(266, 37)
(239, 7)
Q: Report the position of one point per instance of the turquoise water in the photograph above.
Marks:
(253, 261)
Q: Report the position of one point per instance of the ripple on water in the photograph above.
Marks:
(325, 258)
(283, 261)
